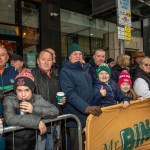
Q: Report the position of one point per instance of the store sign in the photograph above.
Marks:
(121, 33)
(127, 33)
(124, 33)
(124, 12)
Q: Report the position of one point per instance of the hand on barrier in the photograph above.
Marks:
(94, 110)
(42, 127)
(126, 104)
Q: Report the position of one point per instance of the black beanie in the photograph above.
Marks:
(24, 78)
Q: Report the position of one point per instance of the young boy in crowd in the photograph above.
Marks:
(106, 91)
(125, 85)
(26, 109)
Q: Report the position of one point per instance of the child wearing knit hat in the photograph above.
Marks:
(106, 91)
(125, 85)
(26, 109)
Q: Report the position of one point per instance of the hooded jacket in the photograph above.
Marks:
(25, 139)
(76, 83)
(113, 94)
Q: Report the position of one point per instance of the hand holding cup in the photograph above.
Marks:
(25, 107)
(60, 97)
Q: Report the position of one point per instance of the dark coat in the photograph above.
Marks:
(76, 83)
(92, 69)
(7, 78)
(25, 139)
(113, 94)
(116, 70)
(45, 86)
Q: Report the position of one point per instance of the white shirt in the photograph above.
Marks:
(141, 88)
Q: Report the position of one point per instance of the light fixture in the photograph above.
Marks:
(53, 14)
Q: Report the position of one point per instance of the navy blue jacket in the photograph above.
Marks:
(6, 81)
(113, 94)
(7, 78)
(76, 83)
(92, 69)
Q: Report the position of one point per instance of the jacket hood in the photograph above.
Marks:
(92, 63)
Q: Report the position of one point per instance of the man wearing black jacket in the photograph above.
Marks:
(47, 85)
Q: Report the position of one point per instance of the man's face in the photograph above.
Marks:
(76, 56)
(111, 64)
(99, 57)
(17, 64)
(139, 59)
(45, 61)
(23, 93)
(3, 58)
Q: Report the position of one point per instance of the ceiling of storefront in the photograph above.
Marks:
(140, 9)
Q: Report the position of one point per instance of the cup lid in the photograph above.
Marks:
(60, 93)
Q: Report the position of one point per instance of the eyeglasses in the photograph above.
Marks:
(147, 65)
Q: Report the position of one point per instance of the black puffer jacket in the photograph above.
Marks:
(116, 70)
(45, 86)
(25, 139)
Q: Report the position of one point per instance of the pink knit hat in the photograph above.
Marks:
(124, 77)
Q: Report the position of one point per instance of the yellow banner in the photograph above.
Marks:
(120, 129)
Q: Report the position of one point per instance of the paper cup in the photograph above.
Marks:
(59, 97)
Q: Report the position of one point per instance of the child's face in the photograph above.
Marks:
(125, 87)
(23, 93)
(103, 76)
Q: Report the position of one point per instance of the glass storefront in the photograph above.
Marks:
(84, 30)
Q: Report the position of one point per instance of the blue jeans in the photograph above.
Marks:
(53, 138)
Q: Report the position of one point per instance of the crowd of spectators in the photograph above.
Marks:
(88, 86)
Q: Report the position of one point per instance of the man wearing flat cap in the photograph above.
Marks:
(76, 83)
(17, 62)
(138, 56)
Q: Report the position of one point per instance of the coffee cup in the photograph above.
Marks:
(20, 109)
(59, 97)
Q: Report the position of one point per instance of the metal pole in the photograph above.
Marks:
(122, 51)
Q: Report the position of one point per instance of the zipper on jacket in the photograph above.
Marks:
(111, 90)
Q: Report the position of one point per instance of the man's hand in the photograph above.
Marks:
(94, 110)
(103, 91)
(42, 127)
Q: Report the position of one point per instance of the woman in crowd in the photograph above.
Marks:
(122, 63)
(141, 84)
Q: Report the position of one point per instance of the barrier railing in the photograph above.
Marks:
(58, 119)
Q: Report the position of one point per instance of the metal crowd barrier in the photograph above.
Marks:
(51, 121)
